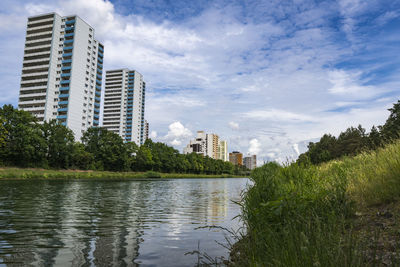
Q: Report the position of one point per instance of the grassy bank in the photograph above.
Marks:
(20, 173)
(342, 213)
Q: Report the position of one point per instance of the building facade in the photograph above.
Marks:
(146, 130)
(250, 162)
(207, 145)
(62, 72)
(223, 150)
(124, 104)
(236, 158)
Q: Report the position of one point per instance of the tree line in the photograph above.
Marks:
(24, 142)
(354, 140)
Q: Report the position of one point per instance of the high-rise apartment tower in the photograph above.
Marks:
(124, 101)
(62, 72)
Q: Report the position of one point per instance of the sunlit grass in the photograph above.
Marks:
(301, 216)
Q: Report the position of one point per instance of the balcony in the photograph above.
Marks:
(70, 22)
(65, 74)
(65, 82)
(69, 28)
(101, 49)
(63, 95)
(98, 94)
(66, 61)
(63, 102)
(99, 64)
(68, 47)
(97, 99)
(66, 68)
(62, 117)
(67, 54)
(62, 109)
(69, 41)
(98, 87)
(64, 88)
(69, 35)
(99, 76)
(100, 54)
(97, 105)
(100, 60)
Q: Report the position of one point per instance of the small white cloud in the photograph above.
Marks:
(234, 125)
(276, 115)
(255, 147)
(153, 135)
(175, 142)
(177, 133)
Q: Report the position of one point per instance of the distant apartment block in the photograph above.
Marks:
(62, 72)
(236, 158)
(207, 145)
(223, 150)
(124, 102)
(250, 162)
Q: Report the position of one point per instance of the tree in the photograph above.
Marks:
(391, 129)
(24, 144)
(60, 144)
(109, 151)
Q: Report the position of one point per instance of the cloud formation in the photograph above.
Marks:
(286, 73)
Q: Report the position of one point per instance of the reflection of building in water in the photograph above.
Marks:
(218, 205)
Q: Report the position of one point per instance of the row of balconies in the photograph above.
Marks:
(38, 49)
(38, 36)
(36, 43)
(34, 72)
(41, 29)
(33, 65)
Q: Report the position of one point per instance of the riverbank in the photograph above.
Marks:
(342, 213)
(32, 173)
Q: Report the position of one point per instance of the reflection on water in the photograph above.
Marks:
(114, 223)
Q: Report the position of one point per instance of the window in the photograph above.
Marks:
(59, 52)
(58, 72)
(90, 36)
(58, 65)
(88, 60)
(90, 29)
(62, 26)
(57, 85)
(61, 39)
(63, 20)
(86, 85)
(88, 54)
(87, 79)
(87, 66)
(87, 73)
(54, 113)
(57, 79)
(60, 45)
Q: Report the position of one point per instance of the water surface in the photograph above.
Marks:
(115, 223)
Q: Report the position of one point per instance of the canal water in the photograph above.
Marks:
(116, 223)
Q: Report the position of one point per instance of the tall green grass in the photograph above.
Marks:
(300, 216)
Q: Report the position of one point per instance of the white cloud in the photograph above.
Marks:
(234, 125)
(276, 115)
(296, 149)
(153, 135)
(254, 147)
(177, 133)
(272, 72)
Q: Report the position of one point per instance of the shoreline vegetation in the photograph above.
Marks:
(338, 205)
(27, 143)
(9, 173)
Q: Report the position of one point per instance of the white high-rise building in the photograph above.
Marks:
(62, 72)
(208, 145)
(124, 101)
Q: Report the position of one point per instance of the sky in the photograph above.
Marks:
(267, 76)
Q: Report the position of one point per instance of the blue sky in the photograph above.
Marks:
(267, 76)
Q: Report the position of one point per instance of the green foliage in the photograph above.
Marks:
(26, 143)
(353, 141)
(152, 174)
(60, 144)
(108, 149)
